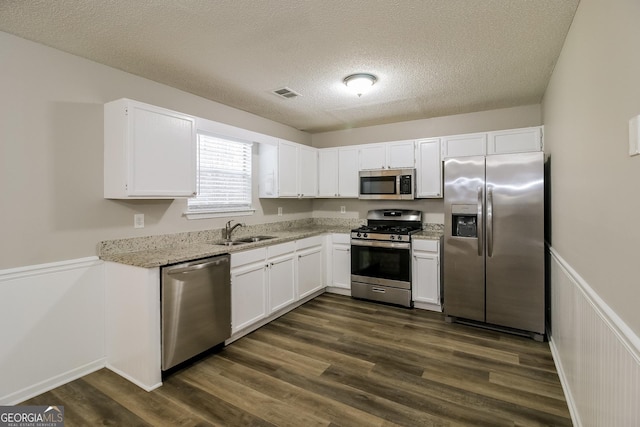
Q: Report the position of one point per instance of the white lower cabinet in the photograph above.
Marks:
(281, 276)
(266, 282)
(248, 288)
(426, 274)
(310, 277)
(339, 267)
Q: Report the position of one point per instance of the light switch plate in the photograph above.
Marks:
(634, 136)
(279, 211)
(343, 209)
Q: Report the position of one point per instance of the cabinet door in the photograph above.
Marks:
(248, 295)
(515, 141)
(341, 262)
(281, 282)
(373, 156)
(307, 171)
(309, 271)
(347, 172)
(288, 169)
(429, 170)
(149, 152)
(426, 278)
(473, 144)
(328, 175)
(401, 154)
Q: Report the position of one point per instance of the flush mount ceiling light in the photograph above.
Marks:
(360, 83)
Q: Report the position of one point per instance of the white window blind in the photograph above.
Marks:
(224, 175)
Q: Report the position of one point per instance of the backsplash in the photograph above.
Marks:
(428, 226)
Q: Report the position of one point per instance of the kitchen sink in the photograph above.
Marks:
(244, 240)
(253, 239)
(232, 243)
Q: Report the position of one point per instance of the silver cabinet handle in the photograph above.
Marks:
(479, 221)
(489, 221)
(379, 290)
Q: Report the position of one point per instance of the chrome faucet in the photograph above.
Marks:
(228, 229)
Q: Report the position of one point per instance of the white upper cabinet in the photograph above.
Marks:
(515, 141)
(400, 154)
(388, 155)
(338, 172)
(428, 168)
(472, 144)
(307, 171)
(348, 172)
(149, 152)
(373, 156)
(328, 172)
(288, 169)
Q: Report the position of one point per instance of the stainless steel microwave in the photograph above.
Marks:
(387, 184)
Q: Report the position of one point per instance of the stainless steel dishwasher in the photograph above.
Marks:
(196, 308)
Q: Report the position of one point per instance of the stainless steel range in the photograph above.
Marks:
(381, 256)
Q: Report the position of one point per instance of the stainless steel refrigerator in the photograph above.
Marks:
(494, 241)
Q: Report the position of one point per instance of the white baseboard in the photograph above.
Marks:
(596, 354)
(128, 377)
(51, 383)
(339, 291)
(427, 306)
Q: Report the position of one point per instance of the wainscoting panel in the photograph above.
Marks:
(51, 326)
(596, 353)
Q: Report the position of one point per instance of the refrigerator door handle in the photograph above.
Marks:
(489, 221)
(479, 221)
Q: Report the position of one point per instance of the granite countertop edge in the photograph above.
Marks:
(160, 257)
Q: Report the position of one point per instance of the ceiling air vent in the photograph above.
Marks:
(286, 93)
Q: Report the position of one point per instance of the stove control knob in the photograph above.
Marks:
(393, 237)
(365, 235)
(399, 237)
(358, 235)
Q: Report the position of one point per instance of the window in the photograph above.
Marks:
(224, 177)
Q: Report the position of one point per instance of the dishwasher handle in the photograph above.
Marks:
(188, 269)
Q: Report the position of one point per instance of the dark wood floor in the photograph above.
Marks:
(339, 362)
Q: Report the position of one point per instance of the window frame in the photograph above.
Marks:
(217, 212)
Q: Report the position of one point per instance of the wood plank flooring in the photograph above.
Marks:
(336, 361)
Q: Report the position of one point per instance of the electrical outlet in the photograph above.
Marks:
(343, 209)
(279, 211)
(138, 221)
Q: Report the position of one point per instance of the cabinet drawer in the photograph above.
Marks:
(309, 242)
(248, 257)
(281, 249)
(425, 245)
(341, 238)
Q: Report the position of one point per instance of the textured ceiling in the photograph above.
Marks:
(432, 57)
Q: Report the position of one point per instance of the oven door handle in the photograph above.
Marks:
(377, 244)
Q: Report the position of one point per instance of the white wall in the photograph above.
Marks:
(595, 185)
(51, 154)
(483, 121)
(595, 199)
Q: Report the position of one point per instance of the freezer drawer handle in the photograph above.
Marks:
(379, 290)
(479, 221)
(489, 221)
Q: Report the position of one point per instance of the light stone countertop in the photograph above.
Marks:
(157, 251)
(158, 257)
